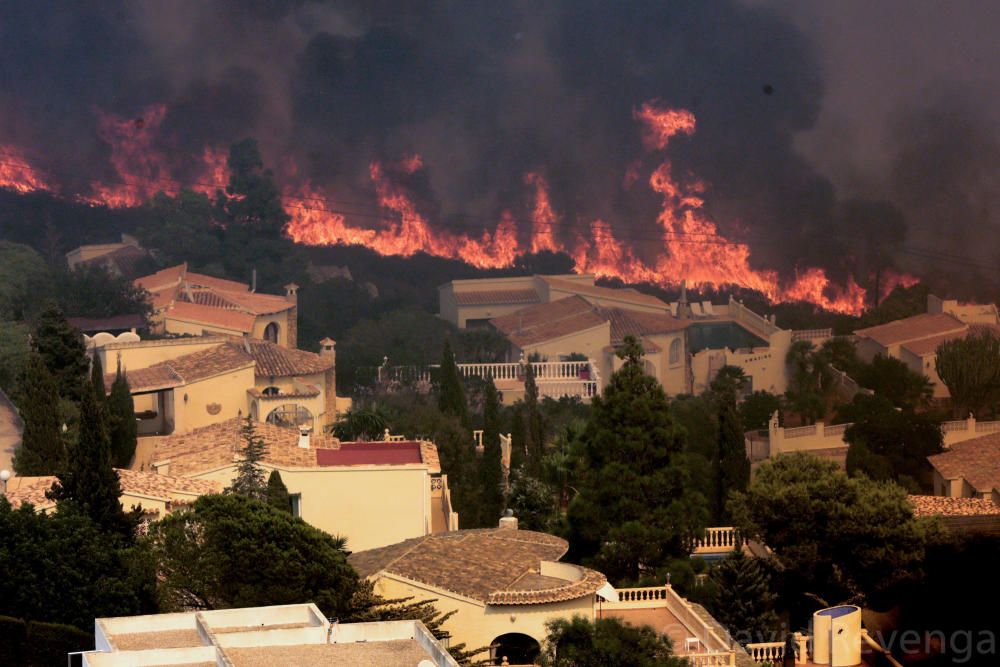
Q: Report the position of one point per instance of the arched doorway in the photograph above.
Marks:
(290, 416)
(271, 333)
(518, 648)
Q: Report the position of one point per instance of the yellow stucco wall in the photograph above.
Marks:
(477, 624)
(316, 405)
(228, 391)
(263, 320)
(372, 506)
(151, 352)
(590, 342)
(181, 327)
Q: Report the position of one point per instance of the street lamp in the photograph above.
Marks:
(4, 476)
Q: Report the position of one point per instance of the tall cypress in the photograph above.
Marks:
(277, 493)
(491, 465)
(122, 426)
(534, 423)
(61, 347)
(97, 378)
(42, 450)
(451, 396)
(89, 480)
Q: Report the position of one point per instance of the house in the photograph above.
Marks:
(914, 340)
(188, 303)
(960, 515)
(558, 318)
(505, 584)
(180, 384)
(296, 635)
(158, 495)
(372, 493)
(969, 469)
(126, 258)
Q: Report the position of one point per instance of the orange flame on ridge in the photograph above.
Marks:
(17, 174)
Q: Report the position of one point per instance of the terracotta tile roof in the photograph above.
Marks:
(276, 361)
(495, 566)
(977, 461)
(632, 322)
(621, 294)
(912, 328)
(308, 391)
(176, 285)
(217, 445)
(258, 304)
(220, 317)
(944, 506)
(926, 346)
(490, 297)
(125, 259)
(186, 368)
(133, 482)
(201, 280)
(161, 279)
(546, 321)
(152, 378)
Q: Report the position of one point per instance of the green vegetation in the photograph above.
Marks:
(451, 393)
(228, 550)
(61, 348)
(42, 450)
(970, 368)
(745, 601)
(277, 493)
(580, 642)
(491, 476)
(122, 426)
(35, 644)
(249, 480)
(634, 509)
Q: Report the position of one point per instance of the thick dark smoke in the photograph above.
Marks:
(484, 91)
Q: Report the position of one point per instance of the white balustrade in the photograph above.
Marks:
(766, 652)
(800, 432)
(718, 539)
(711, 659)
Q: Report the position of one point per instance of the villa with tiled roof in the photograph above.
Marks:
(969, 469)
(343, 488)
(185, 302)
(180, 384)
(564, 317)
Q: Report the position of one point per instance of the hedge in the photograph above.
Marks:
(36, 644)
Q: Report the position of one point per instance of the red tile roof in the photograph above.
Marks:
(276, 361)
(495, 566)
(912, 328)
(496, 297)
(926, 346)
(186, 368)
(219, 317)
(133, 482)
(620, 294)
(370, 453)
(977, 461)
(945, 506)
(547, 321)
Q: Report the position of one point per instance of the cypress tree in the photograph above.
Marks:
(518, 439)
(89, 480)
(733, 464)
(42, 450)
(97, 378)
(61, 346)
(534, 423)
(277, 493)
(121, 420)
(249, 480)
(451, 396)
(490, 465)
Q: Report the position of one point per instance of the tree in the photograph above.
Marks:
(970, 368)
(810, 377)
(891, 444)
(491, 502)
(89, 481)
(97, 379)
(42, 450)
(757, 408)
(249, 480)
(61, 567)
(451, 394)
(369, 424)
(61, 348)
(14, 352)
(533, 503)
(182, 228)
(534, 423)
(277, 493)
(836, 538)
(228, 550)
(122, 426)
(894, 380)
(91, 291)
(580, 642)
(367, 606)
(733, 466)
(24, 281)
(745, 601)
(633, 510)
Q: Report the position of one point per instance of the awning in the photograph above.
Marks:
(608, 593)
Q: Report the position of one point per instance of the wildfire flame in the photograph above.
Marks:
(690, 247)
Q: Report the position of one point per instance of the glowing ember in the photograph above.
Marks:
(17, 174)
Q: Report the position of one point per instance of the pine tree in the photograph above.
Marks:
(277, 493)
(42, 450)
(634, 510)
(491, 503)
(89, 481)
(249, 480)
(731, 466)
(451, 396)
(122, 426)
(62, 349)
(745, 604)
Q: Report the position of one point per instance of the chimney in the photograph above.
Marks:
(304, 437)
(508, 520)
(292, 293)
(253, 280)
(328, 349)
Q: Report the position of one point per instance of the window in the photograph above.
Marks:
(290, 416)
(271, 333)
(271, 391)
(296, 500)
(675, 351)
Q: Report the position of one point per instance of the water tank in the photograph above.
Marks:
(837, 636)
